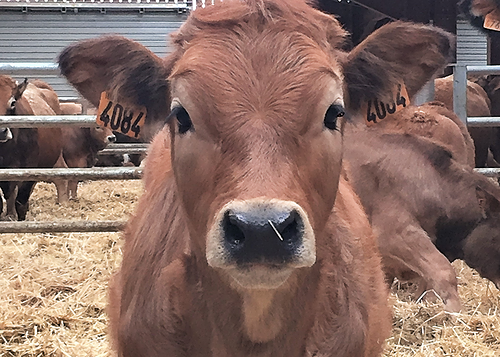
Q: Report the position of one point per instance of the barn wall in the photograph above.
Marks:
(40, 36)
(472, 45)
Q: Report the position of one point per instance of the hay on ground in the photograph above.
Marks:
(53, 297)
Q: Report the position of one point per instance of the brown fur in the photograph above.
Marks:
(36, 147)
(478, 104)
(256, 78)
(7, 90)
(434, 121)
(80, 148)
(375, 67)
(426, 209)
(476, 10)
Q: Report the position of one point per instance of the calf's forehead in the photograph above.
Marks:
(231, 73)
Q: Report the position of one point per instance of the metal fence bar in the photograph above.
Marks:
(46, 121)
(61, 227)
(136, 151)
(71, 100)
(460, 73)
(481, 122)
(97, 5)
(480, 70)
(489, 171)
(128, 146)
(460, 92)
(29, 68)
(93, 173)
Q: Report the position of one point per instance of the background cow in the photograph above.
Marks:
(255, 139)
(80, 148)
(33, 147)
(425, 203)
(478, 105)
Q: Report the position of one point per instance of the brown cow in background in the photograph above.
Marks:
(41, 147)
(30, 147)
(425, 207)
(251, 245)
(80, 147)
(434, 121)
(478, 105)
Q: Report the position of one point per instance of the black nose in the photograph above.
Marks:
(270, 235)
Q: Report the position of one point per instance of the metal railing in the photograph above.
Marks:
(157, 5)
(460, 74)
(35, 174)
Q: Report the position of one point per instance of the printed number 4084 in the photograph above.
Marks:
(120, 119)
(378, 110)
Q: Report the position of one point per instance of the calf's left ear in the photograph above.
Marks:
(397, 53)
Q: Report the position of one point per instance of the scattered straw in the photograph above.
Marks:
(53, 296)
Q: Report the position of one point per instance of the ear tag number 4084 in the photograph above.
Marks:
(119, 117)
(377, 110)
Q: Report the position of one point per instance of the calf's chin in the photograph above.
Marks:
(259, 243)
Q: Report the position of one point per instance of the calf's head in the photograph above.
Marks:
(481, 248)
(101, 137)
(10, 102)
(255, 96)
(256, 128)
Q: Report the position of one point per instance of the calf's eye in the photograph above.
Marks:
(334, 112)
(184, 122)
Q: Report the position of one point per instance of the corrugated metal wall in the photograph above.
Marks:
(472, 45)
(40, 36)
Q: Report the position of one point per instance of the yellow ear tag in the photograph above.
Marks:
(122, 118)
(492, 21)
(376, 110)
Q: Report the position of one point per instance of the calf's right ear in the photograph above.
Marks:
(397, 53)
(123, 68)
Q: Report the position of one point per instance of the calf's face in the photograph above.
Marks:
(10, 94)
(102, 137)
(256, 152)
(256, 103)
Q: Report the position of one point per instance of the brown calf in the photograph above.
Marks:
(433, 120)
(246, 241)
(478, 105)
(425, 203)
(35, 147)
(80, 148)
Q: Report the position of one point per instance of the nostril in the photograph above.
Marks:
(233, 234)
(289, 228)
(291, 233)
(112, 139)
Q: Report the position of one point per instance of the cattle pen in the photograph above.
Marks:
(56, 281)
(33, 69)
(102, 173)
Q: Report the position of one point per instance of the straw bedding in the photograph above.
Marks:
(53, 289)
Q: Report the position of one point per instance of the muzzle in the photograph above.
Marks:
(259, 239)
